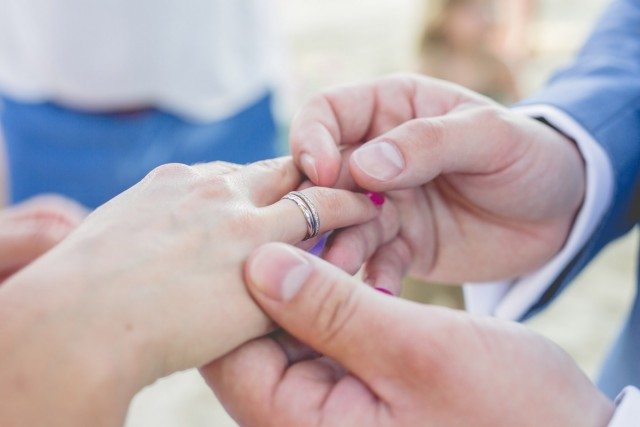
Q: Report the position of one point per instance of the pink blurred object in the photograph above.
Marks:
(378, 199)
(385, 291)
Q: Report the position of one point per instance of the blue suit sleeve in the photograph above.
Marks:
(601, 91)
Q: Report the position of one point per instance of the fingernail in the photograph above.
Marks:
(309, 166)
(278, 272)
(377, 199)
(380, 160)
(385, 291)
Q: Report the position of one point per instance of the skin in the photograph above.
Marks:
(389, 362)
(31, 228)
(482, 193)
(149, 284)
(492, 194)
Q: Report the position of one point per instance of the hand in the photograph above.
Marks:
(390, 362)
(31, 228)
(151, 283)
(483, 193)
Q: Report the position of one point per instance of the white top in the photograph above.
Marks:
(511, 300)
(202, 59)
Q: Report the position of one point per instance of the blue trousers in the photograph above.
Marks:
(93, 157)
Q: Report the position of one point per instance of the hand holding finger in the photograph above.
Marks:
(350, 248)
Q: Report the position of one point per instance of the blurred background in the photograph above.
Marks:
(503, 48)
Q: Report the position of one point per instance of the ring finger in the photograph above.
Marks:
(335, 209)
(350, 248)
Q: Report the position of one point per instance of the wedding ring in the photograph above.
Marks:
(314, 212)
(309, 212)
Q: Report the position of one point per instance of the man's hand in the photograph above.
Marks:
(30, 229)
(390, 362)
(483, 193)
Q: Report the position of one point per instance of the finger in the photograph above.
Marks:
(267, 181)
(256, 383)
(48, 207)
(345, 180)
(324, 123)
(246, 379)
(469, 141)
(28, 238)
(388, 267)
(330, 310)
(335, 208)
(353, 114)
(348, 249)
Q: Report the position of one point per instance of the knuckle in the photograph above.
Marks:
(405, 82)
(340, 207)
(338, 306)
(318, 99)
(498, 118)
(222, 167)
(389, 221)
(401, 250)
(403, 76)
(364, 239)
(505, 131)
(327, 199)
(218, 186)
(171, 171)
(349, 250)
(273, 167)
(429, 131)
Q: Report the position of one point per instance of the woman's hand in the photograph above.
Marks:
(389, 362)
(150, 284)
(483, 193)
(31, 228)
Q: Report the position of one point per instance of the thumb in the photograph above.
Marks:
(477, 140)
(327, 309)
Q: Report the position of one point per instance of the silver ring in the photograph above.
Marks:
(314, 211)
(309, 212)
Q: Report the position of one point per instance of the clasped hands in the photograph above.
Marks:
(154, 281)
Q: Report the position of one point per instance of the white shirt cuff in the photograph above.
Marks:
(512, 299)
(628, 408)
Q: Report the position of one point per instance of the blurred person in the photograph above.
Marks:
(96, 94)
(456, 46)
(513, 42)
(151, 283)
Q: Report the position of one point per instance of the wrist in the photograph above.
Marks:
(52, 360)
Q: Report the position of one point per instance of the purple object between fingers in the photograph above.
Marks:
(318, 248)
